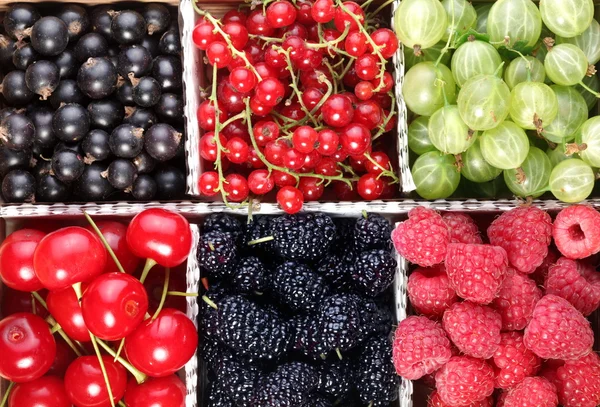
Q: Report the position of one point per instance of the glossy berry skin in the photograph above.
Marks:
(16, 260)
(236, 187)
(312, 188)
(367, 67)
(381, 159)
(208, 183)
(323, 11)
(160, 235)
(338, 111)
(68, 256)
(281, 13)
(115, 234)
(290, 199)
(203, 34)
(355, 139)
(47, 391)
(161, 347)
(64, 357)
(242, 79)
(65, 308)
(166, 391)
(113, 305)
(27, 347)
(260, 182)
(238, 150)
(269, 92)
(85, 384)
(49, 36)
(328, 142)
(384, 37)
(304, 139)
(370, 187)
(218, 54)
(342, 18)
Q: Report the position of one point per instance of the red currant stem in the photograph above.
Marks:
(384, 171)
(387, 118)
(147, 267)
(8, 390)
(322, 79)
(163, 296)
(103, 368)
(346, 68)
(332, 72)
(332, 43)
(339, 353)
(210, 302)
(380, 8)
(104, 242)
(261, 240)
(347, 168)
(366, 4)
(181, 294)
(265, 38)
(119, 350)
(139, 376)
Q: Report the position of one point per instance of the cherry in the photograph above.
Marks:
(47, 391)
(355, 44)
(345, 192)
(370, 187)
(290, 199)
(238, 34)
(236, 187)
(265, 131)
(162, 346)
(115, 233)
(207, 115)
(274, 152)
(166, 391)
(369, 114)
(260, 182)
(385, 38)
(237, 150)
(208, 146)
(293, 159)
(382, 159)
(64, 357)
(218, 54)
(154, 287)
(14, 301)
(242, 79)
(254, 161)
(367, 67)
(27, 347)
(311, 98)
(283, 179)
(203, 35)
(388, 82)
(342, 18)
(16, 260)
(114, 305)
(258, 108)
(364, 91)
(258, 24)
(234, 16)
(305, 13)
(338, 111)
(269, 92)
(326, 166)
(355, 139)
(304, 139)
(68, 256)
(208, 183)
(64, 307)
(312, 188)
(281, 13)
(85, 383)
(328, 142)
(323, 11)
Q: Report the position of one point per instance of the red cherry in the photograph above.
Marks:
(355, 139)
(384, 37)
(304, 139)
(274, 152)
(237, 150)
(281, 13)
(293, 159)
(260, 182)
(16, 260)
(338, 111)
(367, 67)
(290, 199)
(156, 392)
(14, 301)
(48, 391)
(283, 179)
(369, 114)
(242, 79)
(234, 16)
(355, 44)
(154, 287)
(370, 187)
(238, 34)
(323, 11)
(62, 360)
(115, 234)
(85, 383)
(257, 23)
(162, 346)
(203, 35)
(358, 163)
(342, 18)
(114, 305)
(312, 188)
(265, 131)
(326, 166)
(328, 142)
(363, 91)
(64, 307)
(382, 159)
(68, 256)
(27, 347)
(208, 183)
(345, 192)
(236, 187)
(269, 92)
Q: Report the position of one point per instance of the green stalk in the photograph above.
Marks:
(147, 267)
(8, 390)
(164, 294)
(104, 242)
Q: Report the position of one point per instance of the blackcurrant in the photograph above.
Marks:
(140, 117)
(106, 114)
(161, 141)
(18, 186)
(97, 78)
(13, 159)
(42, 78)
(76, 19)
(170, 182)
(92, 186)
(126, 141)
(170, 107)
(157, 17)
(51, 189)
(91, 45)
(170, 44)
(150, 42)
(41, 117)
(134, 59)
(67, 63)
(125, 94)
(42, 167)
(7, 47)
(144, 188)
(67, 165)
(128, 27)
(24, 56)
(17, 132)
(121, 174)
(71, 122)
(101, 20)
(19, 19)
(68, 146)
(144, 163)
(15, 90)
(96, 146)
(168, 72)
(67, 92)
(146, 91)
(7, 111)
(49, 36)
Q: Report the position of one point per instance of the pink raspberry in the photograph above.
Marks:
(539, 275)
(533, 391)
(436, 401)
(513, 362)
(577, 381)
(463, 228)
(423, 238)
(558, 331)
(420, 347)
(474, 328)
(429, 291)
(464, 380)
(516, 300)
(576, 232)
(476, 271)
(577, 283)
(525, 233)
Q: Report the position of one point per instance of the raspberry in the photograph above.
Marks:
(539, 275)
(577, 283)
(576, 233)
(533, 391)
(577, 381)
(516, 300)
(474, 329)
(423, 238)
(525, 233)
(464, 380)
(476, 271)
(558, 331)
(420, 347)
(513, 362)
(429, 291)
(436, 401)
(463, 228)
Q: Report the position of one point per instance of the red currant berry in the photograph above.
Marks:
(340, 155)
(355, 139)
(367, 67)
(355, 44)
(236, 61)
(311, 60)
(234, 16)
(258, 108)
(85, 385)
(370, 187)
(328, 142)
(305, 13)
(238, 34)
(351, 79)
(236, 129)
(230, 99)
(218, 54)
(323, 11)
(275, 58)
(388, 82)
(236, 187)
(269, 92)
(242, 79)
(312, 188)
(47, 391)
(304, 139)
(369, 114)
(311, 98)
(257, 23)
(255, 50)
(296, 29)
(311, 160)
(237, 150)
(387, 40)
(384, 100)
(16, 260)
(345, 192)
(342, 18)
(274, 152)
(265, 131)
(293, 159)
(338, 111)
(203, 34)
(327, 166)
(331, 35)
(295, 45)
(290, 199)
(363, 91)
(208, 183)
(160, 392)
(283, 179)
(293, 111)
(380, 158)
(357, 163)
(260, 182)
(207, 115)
(310, 79)
(389, 190)
(281, 13)
(208, 146)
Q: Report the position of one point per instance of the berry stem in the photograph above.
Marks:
(119, 350)
(139, 376)
(380, 8)
(147, 267)
(209, 302)
(103, 368)
(8, 390)
(261, 240)
(339, 353)
(104, 241)
(384, 171)
(181, 294)
(164, 293)
(392, 113)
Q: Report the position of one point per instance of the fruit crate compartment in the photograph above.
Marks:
(190, 273)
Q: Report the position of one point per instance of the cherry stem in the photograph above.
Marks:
(119, 350)
(121, 404)
(103, 368)
(139, 376)
(164, 294)
(209, 302)
(261, 240)
(181, 294)
(339, 353)
(147, 267)
(104, 242)
(8, 390)
(55, 329)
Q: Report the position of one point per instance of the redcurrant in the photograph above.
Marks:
(363, 91)
(312, 188)
(290, 199)
(342, 18)
(208, 146)
(269, 92)
(218, 54)
(355, 139)
(386, 40)
(283, 179)
(355, 44)
(257, 23)
(237, 150)
(265, 131)
(236, 187)
(208, 183)
(338, 111)
(260, 182)
(242, 79)
(203, 34)
(369, 114)
(370, 187)
(281, 13)
(323, 11)
(274, 152)
(293, 159)
(304, 139)
(381, 159)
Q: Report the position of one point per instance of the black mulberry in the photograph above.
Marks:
(298, 287)
(303, 237)
(374, 271)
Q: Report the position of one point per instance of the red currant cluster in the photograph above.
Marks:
(78, 311)
(281, 111)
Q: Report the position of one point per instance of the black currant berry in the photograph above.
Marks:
(96, 146)
(71, 122)
(170, 107)
(97, 78)
(91, 186)
(101, 19)
(162, 141)
(69, 146)
(7, 48)
(144, 188)
(67, 165)
(41, 117)
(126, 141)
(170, 182)
(128, 27)
(67, 64)
(168, 72)
(15, 89)
(49, 36)
(170, 43)
(7, 111)
(17, 132)
(13, 160)
(51, 189)
(144, 163)
(151, 44)
(76, 19)
(146, 91)
(24, 56)
(125, 94)
(42, 78)
(134, 59)
(42, 167)
(19, 19)
(106, 114)
(67, 92)
(121, 174)
(140, 117)
(157, 17)
(18, 186)
(91, 45)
